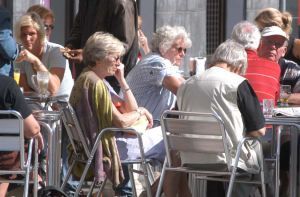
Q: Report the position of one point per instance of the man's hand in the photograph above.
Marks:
(74, 55)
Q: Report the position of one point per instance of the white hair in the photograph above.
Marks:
(231, 53)
(247, 34)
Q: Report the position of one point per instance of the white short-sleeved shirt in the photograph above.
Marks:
(145, 81)
(52, 58)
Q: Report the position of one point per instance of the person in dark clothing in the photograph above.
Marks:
(11, 98)
(116, 17)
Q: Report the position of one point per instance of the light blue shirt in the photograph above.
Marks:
(145, 81)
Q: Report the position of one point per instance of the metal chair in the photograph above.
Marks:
(79, 143)
(12, 139)
(203, 133)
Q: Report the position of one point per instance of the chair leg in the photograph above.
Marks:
(150, 173)
(147, 177)
(277, 162)
(161, 181)
(85, 171)
(90, 193)
(232, 178)
(28, 166)
(67, 175)
(130, 172)
(35, 170)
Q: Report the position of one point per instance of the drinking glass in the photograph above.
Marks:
(43, 80)
(285, 90)
(268, 107)
(17, 75)
(40, 82)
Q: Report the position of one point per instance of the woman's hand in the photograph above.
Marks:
(148, 115)
(119, 74)
(27, 56)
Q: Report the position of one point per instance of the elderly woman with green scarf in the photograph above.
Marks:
(98, 106)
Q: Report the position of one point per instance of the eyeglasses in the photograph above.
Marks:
(48, 27)
(180, 49)
(270, 42)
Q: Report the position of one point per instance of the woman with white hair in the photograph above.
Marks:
(41, 55)
(155, 79)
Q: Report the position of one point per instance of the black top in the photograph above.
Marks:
(11, 97)
(290, 73)
(118, 17)
(249, 107)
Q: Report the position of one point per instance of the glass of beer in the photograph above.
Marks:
(17, 75)
(43, 80)
(285, 91)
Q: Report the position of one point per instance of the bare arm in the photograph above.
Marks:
(294, 98)
(172, 83)
(129, 104)
(257, 133)
(32, 129)
(123, 120)
(55, 74)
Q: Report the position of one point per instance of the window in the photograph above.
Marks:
(215, 24)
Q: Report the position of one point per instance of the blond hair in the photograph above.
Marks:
(30, 20)
(272, 17)
(42, 11)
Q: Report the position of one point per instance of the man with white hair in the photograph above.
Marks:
(273, 47)
(222, 91)
(262, 74)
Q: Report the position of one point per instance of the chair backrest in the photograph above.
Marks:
(12, 132)
(75, 133)
(194, 133)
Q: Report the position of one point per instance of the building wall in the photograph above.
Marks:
(20, 8)
(253, 6)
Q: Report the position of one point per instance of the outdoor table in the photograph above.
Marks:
(34, 97)
(50, 120)
(294, 124)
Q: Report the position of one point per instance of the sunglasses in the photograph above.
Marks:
(180, 49)
(48, 27)
(270, 42)
(116, 59)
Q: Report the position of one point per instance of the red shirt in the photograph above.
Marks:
(264, 76)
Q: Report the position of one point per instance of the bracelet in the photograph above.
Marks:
(126, 89)
(138, 110)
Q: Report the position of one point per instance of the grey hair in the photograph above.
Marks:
(30, 19)
(99, 45)
(165, 36)
(247, 34)
(231, 53)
